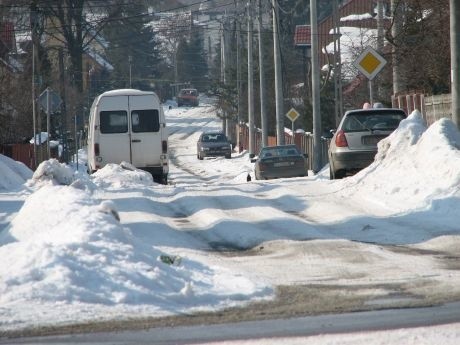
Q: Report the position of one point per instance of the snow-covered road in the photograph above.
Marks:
(388, 236)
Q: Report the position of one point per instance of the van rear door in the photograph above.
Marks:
(145, 131)
(114, 142)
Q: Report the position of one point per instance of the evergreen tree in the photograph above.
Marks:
(198, 61)
(132, 49)
(192, 64)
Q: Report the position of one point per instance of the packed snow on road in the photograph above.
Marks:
(76, 248)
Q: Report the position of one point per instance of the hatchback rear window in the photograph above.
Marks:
(114, 121)
(372, 121)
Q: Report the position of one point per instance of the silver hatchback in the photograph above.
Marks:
(354, 144)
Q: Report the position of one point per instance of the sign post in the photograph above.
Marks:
(292, 115)
(50, 102)
(370, 63)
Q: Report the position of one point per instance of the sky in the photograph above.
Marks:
(115, 244)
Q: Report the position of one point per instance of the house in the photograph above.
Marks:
(358, 29)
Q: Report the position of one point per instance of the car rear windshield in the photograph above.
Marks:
(188, 92)
(358, 122)
(279, 151)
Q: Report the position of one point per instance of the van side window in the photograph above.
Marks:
(145, 120)
(114, 121)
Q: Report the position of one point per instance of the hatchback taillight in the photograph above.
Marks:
(340, 139)
(164, 146)
(96, 149)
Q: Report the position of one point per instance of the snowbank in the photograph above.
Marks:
(66, 257)
(416, 161)
(13, 174)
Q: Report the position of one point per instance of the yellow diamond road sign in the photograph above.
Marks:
(370, 63)
(292, 114)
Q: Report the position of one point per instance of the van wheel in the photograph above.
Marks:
(228, 156)
(164, 179)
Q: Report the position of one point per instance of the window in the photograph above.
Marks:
(145, 120)
(372, 121)
(115, 121)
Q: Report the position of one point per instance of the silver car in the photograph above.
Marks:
(354, 144)
(213, 144)
(280, 161)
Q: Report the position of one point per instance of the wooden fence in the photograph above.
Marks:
(432, 108)
(19, 152)
(437, 107)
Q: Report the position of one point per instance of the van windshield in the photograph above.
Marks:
(147, 120)
(114, 121)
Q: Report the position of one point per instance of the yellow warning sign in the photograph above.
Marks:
(292, 114)
(370, 63)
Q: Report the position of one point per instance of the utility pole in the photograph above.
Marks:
(397, 13)
(337, 64)
(278, 78)
(315, 88)
(380, 41)
(33, 24)
(223, 75)
(62, 91)
(238, 78)
(130, 60)
(455, 59)
(250, 84)
(263, 106)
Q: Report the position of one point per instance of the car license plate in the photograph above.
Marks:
(372, 140)
(282, 164)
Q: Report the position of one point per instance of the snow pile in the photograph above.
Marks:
(68, 254)
(53, 172)
(121, 175)
(13, 174)
(421, 154)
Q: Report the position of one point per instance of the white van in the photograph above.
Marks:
(128, 125)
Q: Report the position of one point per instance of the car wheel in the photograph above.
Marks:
(340, 174)
(200, 157)
(336, 174)
(228, 156)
